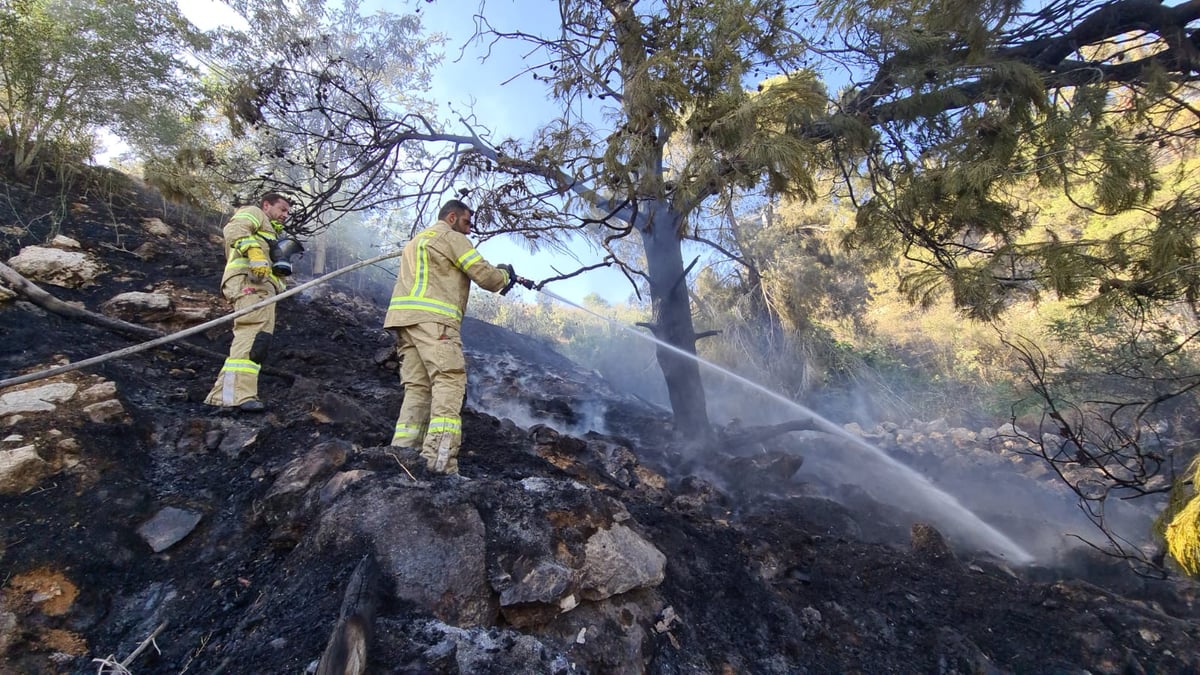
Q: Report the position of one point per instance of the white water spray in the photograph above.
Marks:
(951, 510)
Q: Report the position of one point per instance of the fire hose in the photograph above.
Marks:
(58, 370)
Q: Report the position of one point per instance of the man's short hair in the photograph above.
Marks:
(453, 206)
(273, 198)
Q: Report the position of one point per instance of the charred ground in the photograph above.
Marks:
(761, 573)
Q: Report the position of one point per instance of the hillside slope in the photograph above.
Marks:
(585, 540)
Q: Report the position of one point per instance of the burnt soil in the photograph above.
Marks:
(763, 580)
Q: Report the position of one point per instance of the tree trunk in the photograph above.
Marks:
(320, 252)
(321, 239)
(346, 652)
(659, 227)
(673, 321)
(24, 154)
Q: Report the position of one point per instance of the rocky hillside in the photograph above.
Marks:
(142, 532)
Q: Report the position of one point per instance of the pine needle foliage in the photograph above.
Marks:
(971, 107)
(1182, 521)
(740, 138)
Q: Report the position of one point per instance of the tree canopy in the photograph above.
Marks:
(966, 107)
(70, 67)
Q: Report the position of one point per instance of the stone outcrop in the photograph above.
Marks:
(37, 450)
(139, 307)
(168, 527)
(22, 469)
(69, 269)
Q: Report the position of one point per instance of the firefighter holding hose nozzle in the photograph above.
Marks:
(425, 314)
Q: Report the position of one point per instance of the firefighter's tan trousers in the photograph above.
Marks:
(434, 373)
(238, 380)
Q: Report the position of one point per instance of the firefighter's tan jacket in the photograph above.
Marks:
(436, 271)
(249, 228)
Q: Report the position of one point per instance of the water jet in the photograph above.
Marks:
(939, 506)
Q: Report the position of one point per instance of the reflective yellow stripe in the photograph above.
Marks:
(425, 305)
(248, 216)
(449, 425)
(421, 276)
(409, 430)
(246, 243)
(241, 366)
(258, 228)
(467, 259)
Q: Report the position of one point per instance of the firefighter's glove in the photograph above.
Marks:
(512, 277)
(260, 264)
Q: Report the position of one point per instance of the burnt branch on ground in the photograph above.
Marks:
(1100, 450)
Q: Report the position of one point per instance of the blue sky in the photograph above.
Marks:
(510, 108)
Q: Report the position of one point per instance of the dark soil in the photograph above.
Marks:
(763, 577)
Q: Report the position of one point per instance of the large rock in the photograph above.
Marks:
(613, 636)
(109, 411)
(239, 440)
(168, 527)
(554, 545)
(301, 473)
(101, 391)
(21, 469)
(157, 227)
(620, 560)
(431, 547)
(139, 307)
(63, 241)
(36, 399)
(289, 504)
(69, 269)
(545, 582)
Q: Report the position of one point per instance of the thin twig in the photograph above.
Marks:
(121, 667)
(148, 641)
(414, 478)
(196, 652)
(607, 262)
(111, 662)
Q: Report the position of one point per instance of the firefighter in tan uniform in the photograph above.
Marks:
(425, 312)
(249, 279)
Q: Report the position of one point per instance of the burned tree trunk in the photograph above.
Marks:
(346, 653)
(673, 322)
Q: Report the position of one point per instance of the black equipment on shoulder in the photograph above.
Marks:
(282, 251)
